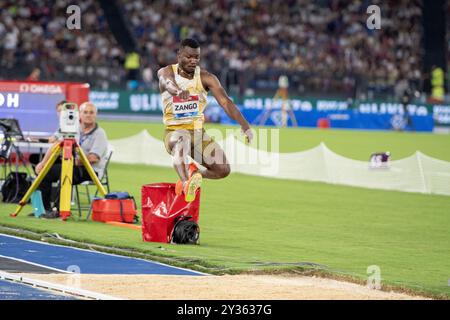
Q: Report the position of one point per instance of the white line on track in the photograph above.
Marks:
(56, 287)
(35, 264)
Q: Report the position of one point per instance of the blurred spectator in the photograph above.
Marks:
(34, 75)
(10, 43)
(147, 76)
(437, 85)
(132, 65)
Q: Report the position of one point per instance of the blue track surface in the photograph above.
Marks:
(88, 262)
(14, 291)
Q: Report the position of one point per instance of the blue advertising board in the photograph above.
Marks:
(32, 104)
(36, 112)
(370, 116)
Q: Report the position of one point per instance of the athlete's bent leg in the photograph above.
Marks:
(216, 171)
(215, 162)
(179, 144)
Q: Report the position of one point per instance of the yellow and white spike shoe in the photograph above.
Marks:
(191, 186)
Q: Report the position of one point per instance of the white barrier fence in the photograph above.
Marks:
(417, 173)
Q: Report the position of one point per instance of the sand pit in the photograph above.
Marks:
(246, 287)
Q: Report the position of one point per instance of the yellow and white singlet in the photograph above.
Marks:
(188, 115)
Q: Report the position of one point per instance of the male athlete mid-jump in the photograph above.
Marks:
(184, 88)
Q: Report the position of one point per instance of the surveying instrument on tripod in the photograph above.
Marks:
(286, 109)
(69, 123)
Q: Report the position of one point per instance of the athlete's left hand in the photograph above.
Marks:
(248, 135)
(184, 94)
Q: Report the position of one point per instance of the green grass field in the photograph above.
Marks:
(252, 223)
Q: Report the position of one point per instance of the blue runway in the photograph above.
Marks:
(19, 255)
(60, 258)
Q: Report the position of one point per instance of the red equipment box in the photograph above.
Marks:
(160, 207)
(119, 210)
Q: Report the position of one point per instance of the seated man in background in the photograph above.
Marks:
(94, 143)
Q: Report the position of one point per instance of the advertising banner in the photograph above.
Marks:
(304, 112)
(33, 104)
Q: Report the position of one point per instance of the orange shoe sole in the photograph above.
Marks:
(179, 187)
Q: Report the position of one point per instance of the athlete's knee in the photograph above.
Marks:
(224, 170)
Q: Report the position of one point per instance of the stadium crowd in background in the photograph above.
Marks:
(324, 46)
(34, 34)
(326, 41)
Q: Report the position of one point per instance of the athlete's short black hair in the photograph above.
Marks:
(189, 42)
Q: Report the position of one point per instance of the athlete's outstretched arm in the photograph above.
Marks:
(211, 82)
(167, 82)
